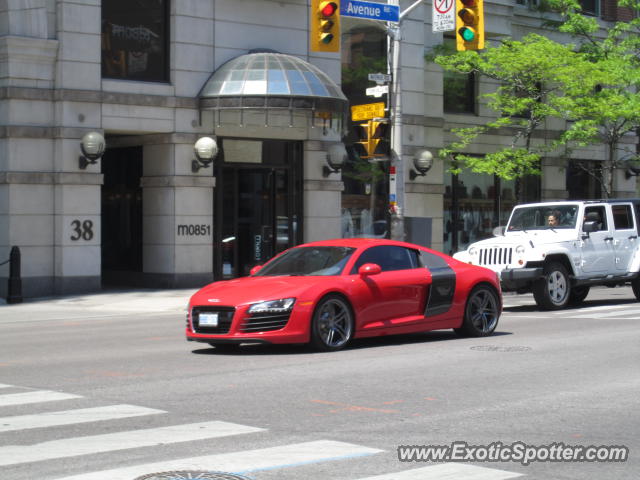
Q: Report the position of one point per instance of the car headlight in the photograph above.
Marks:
(520, 249)
(473, 251)
(282, 305)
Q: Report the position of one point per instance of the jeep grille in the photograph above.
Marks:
(495, 256)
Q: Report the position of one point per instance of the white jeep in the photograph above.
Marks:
(558, 250)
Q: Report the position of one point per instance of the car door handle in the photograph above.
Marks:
(608, 239)
(633, 237)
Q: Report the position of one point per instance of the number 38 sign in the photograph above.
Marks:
(81, 230)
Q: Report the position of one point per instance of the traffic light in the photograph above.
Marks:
(325, 26)
(469, 25)
(371, 133)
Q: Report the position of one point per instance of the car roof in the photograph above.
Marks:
(357, 243)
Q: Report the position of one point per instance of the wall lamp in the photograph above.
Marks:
(631, 171)
(422, 162)
(206, 150)
(336, 156)
(92, 146)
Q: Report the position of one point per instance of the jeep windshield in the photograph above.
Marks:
(543, 217)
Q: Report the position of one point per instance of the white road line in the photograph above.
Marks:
(623, 313)
(72, 447)
(448, 471)
(36, 396)
(242, 462)
(72, 417)
(589, 309)
(3, 385)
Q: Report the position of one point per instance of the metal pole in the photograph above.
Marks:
(396, 177)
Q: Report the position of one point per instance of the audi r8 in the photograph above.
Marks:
(329, 292)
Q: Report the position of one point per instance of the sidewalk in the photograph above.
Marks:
(109, 302)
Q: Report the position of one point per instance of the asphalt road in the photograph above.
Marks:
(115, 389)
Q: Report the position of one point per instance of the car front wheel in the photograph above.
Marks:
(481, 313)
(553, 290)
(332, 324)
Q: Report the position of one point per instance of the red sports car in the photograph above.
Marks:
(326, 293)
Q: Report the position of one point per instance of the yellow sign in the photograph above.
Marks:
(367, 112)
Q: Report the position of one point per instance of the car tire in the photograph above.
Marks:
(635, 286)
(481, 312)
(332, 324)
(553, 290)
(578, 294)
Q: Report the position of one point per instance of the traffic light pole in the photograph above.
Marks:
(396, 177)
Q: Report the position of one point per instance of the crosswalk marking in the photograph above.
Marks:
(448, 471)
(624, 313)
(242, 462)
(37, 396)
(71, 417)
(3, 385)
(590, 309)
(71, 447)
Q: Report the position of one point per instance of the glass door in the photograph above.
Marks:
(257, 218)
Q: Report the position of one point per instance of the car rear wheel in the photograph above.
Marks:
(635, 285)
(553, 290)
(578, 294)
(481, 313)
(332, 324)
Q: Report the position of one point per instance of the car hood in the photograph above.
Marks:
(247, 290)
(535, 237)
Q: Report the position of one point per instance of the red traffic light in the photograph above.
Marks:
(327, 9)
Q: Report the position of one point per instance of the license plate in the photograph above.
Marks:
(208, 320)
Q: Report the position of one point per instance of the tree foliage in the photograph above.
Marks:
(591, 85)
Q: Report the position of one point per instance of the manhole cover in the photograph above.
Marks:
(498, 348)
(192, 474)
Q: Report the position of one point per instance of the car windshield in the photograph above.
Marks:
(543, 217)
(324, 261)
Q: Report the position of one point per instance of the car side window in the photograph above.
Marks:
(598, 215)
(622, 217)
(389, 257)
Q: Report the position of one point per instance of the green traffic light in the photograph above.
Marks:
(467, 34)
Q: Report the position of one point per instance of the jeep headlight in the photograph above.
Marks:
(473, 251)
(282, 305)
(520, 249)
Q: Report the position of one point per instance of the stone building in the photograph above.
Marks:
(154, 76)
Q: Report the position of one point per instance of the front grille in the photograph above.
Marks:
(225, 317)
(495, 256)
(265, 322)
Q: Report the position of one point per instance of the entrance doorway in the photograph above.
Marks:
(121, 224)
(258, 203)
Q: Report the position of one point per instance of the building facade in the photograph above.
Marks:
(154, 76)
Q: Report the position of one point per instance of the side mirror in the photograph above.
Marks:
(255, 270)
(590, 227)
(499, 231)
(369, 269)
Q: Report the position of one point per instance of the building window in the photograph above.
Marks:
(583, 179)
(590, 7)
(135, 39)
(459, 92)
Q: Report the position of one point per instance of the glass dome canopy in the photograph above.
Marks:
(269, 80)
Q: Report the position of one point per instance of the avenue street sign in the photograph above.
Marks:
(370, 10)
(367, 111)
(377, 91)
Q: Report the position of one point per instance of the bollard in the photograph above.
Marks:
(15, 282)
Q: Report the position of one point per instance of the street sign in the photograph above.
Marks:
(370, 10)
(367, 111)
(377, 91)
(443, 15)
(379, 78)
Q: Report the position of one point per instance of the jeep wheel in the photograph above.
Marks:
(553, 290)
(635, 285)
(578, 294)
